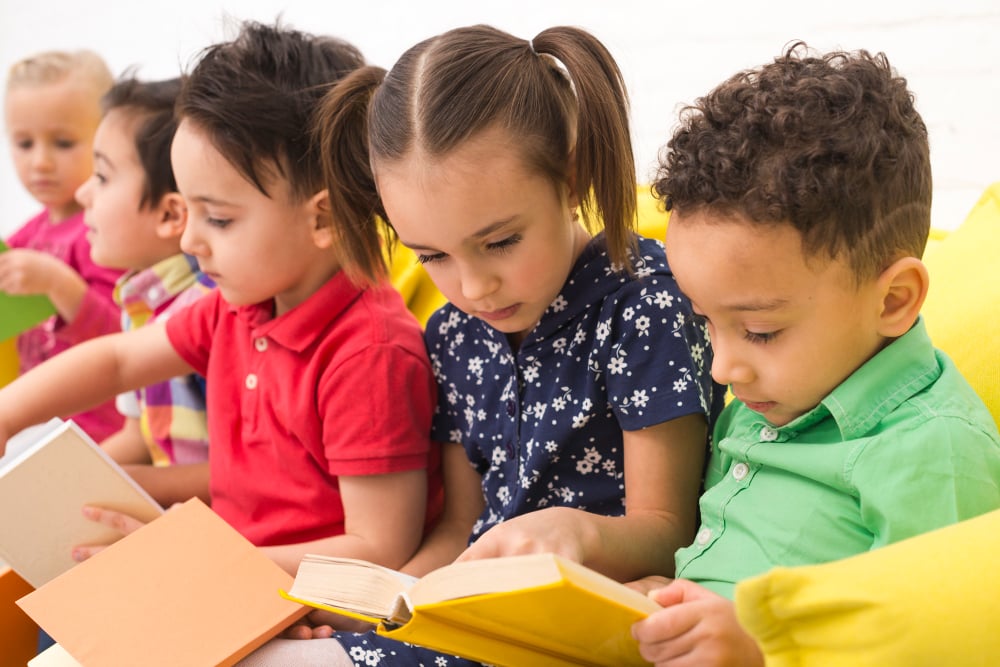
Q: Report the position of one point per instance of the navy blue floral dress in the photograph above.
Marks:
(543, 423)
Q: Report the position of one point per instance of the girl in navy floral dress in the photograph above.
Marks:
(574, 394)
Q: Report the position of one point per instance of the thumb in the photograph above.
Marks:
(676, 592)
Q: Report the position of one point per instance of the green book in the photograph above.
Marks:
(20, 313)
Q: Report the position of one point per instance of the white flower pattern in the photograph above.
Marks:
(543, 424)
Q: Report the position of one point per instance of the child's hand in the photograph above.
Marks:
(559, 530)
(696, 627)
(320, 624)
(121, 522)
(24, 271)
(648, 584)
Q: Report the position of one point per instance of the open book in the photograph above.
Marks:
(533, 610)
(18, 313)
(49, 473)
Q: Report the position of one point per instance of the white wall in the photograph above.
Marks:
(670, 51)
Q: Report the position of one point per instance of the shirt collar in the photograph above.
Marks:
(900, 370)
(302, 325)
(148, 290)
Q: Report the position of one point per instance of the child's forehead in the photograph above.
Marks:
(67, 101)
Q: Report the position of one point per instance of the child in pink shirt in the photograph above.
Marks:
(52, 109)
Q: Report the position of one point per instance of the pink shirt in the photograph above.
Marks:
(98, 314)
(339, 385)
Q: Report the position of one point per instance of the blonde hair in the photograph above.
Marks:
(55, 66)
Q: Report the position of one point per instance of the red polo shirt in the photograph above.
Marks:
(339, 385)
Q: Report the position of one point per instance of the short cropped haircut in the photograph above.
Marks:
(150, 105)
(55, 66)
(831, 144)
(254, 97)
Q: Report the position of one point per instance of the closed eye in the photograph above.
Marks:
(504, 245)
(430, 258)
(761, 338)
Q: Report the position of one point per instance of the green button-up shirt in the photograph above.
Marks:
(904, 445)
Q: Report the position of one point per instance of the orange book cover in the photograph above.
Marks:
(185, 589)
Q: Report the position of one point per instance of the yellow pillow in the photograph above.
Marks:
(963, 303)
(8, 361)
(929, 600)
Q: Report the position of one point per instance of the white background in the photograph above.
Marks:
(670, 52)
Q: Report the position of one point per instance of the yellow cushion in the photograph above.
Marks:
(928, 600)
(8, 360)
(963, 303)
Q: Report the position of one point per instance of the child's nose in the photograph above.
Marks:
(477, 282)
(191, 242)
(728, 367)
(41, 157)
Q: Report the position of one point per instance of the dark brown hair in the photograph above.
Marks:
(830, 144)
(448, 89)
(150, 104)
(255, 96)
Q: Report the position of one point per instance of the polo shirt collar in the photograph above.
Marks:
(302, 325)
(905, 367)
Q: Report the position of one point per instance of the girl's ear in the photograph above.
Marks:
(172, 216)
(572, 195)
(903, 287)
(318, 210)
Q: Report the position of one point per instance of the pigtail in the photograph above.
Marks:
(603, 163)
(340, 131)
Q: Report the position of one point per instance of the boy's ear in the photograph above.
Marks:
(318, 210)
(903, 287)
(173, 216)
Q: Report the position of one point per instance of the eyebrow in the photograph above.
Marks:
(755, 306)
(205, 199)
(480, 234)
(98, 155)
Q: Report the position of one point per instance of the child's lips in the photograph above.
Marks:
(501, 314)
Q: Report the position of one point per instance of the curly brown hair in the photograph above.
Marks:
(830, 144)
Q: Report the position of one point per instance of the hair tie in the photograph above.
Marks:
(558, 66)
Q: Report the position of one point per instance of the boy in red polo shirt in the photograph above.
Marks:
(320, 393)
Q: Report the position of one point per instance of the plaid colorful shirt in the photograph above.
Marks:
(171, 413)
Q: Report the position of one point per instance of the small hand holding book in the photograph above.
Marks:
(530, 610)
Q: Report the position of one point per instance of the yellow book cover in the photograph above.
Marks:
(525, 611)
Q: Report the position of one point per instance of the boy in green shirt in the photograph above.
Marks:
(800, 197)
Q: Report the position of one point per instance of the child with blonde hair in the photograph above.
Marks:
(52, 109)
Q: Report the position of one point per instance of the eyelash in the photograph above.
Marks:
(221, 223)
(500, 247)
(761, 338)
(749, 336)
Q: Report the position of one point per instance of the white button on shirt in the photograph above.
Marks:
(768, 434)
(251, 381)
(740, 471)
(704, 535)
(260, 344)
